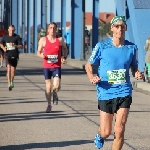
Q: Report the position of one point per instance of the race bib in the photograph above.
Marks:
(116, 76)
(9, 47)
(52, 58)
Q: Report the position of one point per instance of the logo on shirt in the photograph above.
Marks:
(91, 59)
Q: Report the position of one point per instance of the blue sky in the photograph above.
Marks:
(104, 6)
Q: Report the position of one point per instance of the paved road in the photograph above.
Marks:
(72, 124)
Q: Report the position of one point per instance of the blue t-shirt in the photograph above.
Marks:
(68, 36)
(110, 58)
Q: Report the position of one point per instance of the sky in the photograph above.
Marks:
(104, 6)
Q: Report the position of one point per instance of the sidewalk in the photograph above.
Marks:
(136, 84)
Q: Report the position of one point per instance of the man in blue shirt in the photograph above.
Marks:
(68, 39)
(114, 90)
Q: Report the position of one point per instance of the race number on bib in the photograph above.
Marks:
(116, 76)
(52, 58)
(9, 47)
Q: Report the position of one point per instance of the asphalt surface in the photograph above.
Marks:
(73, 123)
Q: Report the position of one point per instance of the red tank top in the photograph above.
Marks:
(53, 53)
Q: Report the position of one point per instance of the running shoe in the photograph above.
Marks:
(9, 88)
(12, 84)
(55, 98)
(49, 109)
(99, 141)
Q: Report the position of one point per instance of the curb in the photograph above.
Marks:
(141, 85)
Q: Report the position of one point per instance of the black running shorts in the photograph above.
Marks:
(13, 61)
(111, 106)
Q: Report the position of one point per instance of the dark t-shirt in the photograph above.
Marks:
(11, 51)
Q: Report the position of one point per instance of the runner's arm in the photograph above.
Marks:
(136, 73)
(19, 46)
(93, 60)
(40, 48)
(134, 63)
(89, 70)
(64, 48)
(134, 69)
(19, 41)
(3, 48)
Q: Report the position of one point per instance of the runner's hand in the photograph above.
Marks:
(5, 49)
(43, 56)
(95, 79)
(138, 75)
(63, 61)
(11, 44)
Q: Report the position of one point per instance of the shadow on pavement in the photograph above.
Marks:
(21, 102)
(40, 72)
(145, 111)
(45, 145)
(71, 71)
(2, 73)
(37, 116)
(5, 99)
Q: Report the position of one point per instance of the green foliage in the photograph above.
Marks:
(104, 29)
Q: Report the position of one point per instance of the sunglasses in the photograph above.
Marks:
(123, 26)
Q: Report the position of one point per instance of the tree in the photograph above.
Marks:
(104, 28)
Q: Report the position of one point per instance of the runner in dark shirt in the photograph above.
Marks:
(12, 42)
